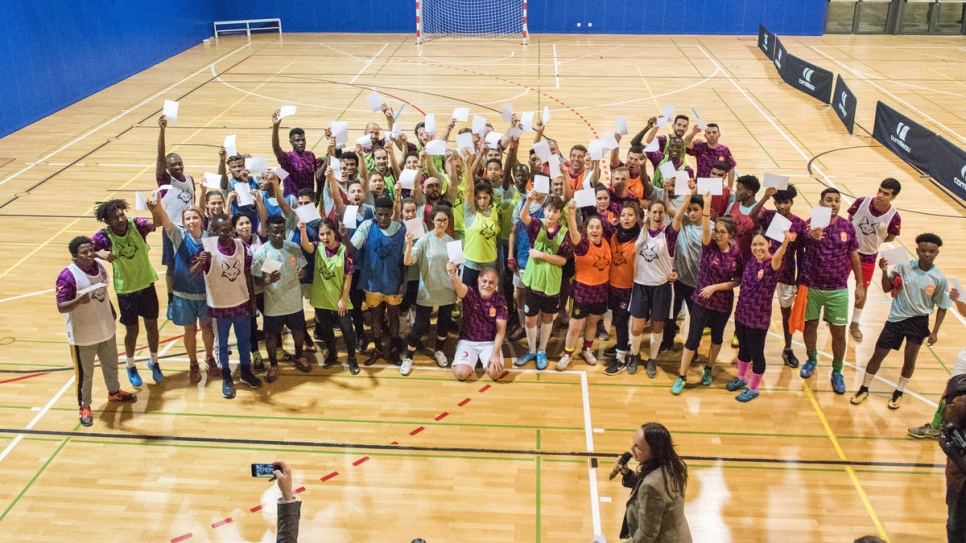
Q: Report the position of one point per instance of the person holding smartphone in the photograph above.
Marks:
(289, 507)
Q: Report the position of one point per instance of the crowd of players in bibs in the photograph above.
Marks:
(495, 238)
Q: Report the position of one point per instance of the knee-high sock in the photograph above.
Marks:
(532, 339)
(755, 381)
(856, 314)
(743, 370)
(545, 330)
(901, 385)
(635, 344)
(655, 345)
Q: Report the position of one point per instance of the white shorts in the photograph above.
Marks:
(469, 353)
(960, 367)
(786, 294)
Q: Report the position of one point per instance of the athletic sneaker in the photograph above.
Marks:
(666, 346)
(633, 360)
(407, 366)
(272, 374)
(516, 334)
(132, 375)
(614, 367)
(807, 369)
(541, 360)
(257, 363)
(301, 364)
(213, 369)
(747, 395)
(353, 366)
(926, 431)
(601, 331)
(362, 342)
(734, 342)
(706, 377)
(227, 388)
(678, 386)
(895, 401)
(611, 351)
(736, 384)
(789, 358)
(330, 360)
(122, 397)
(588, 356)
(440, 359)
(156, 372)
(859, 396)
(523, 360)
(855, 331)
(194, 372)
(249, 378)
(563, 362)
(838, 382)
(651, 368)
(86, 418)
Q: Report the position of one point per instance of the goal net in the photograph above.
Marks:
(473, 19)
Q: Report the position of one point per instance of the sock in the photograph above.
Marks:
(743, 370)
(635, 344)
(588, 344)
(655, 345)
(298, 352)
(856, 313)
(569, 350)
(837, 366)
(154, 358)
(937, 419)
(129, 360)
(545, 330)
(755, 381)
(901, 386)
(868, 380)
(532, 339)
(812, 356)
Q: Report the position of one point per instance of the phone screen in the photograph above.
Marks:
(266, 471)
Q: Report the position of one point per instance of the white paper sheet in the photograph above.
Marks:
(698, 121)
(541, 184)
(396, 132)
(365, 141)
(710, 184)
(585, 198)
(821, 217)
(681, 180)
(493, 139)
(256, 165)
(507, 112)
(667, 170)
(91, 288)
(436, 147)
(667, 112)
(350, 217)
(515, 132)
(430, 124)
(596, 150)
(339, 127)
(954, 284)
(281, 173)
(662, 121)
(212, 180)
(780, 182)
(336, 166)
(244, 194)
(546, 115)
(374, 100)
(308, 213)
(652, 147)
(210, 244)
(622, 126)
(230, 147)
(270, 266)
(416, 226)
(461, 114)
(465, 141)
(140, 202)
(171, 111)
(407, 178)
(542, 149)
(526, 121)
(895, 256)
(776, 230)
(555, 164)
(455, 251)
(609, 143)
(286, 111)
(479, 124)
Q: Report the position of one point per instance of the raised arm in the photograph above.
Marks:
(689, 137)
(454, 278)
(159, 215)
(615, 153)
(755, 211)
(572, 229)
(678, 219)
(276, 145)
(277, 193)
(706, 222)
(525, 211)
(222, 169)
(393, 163)
(652, 130)
(469, 195)
(452, 186)
(510, 163)
(161, 166)
(408, 250)
(304, 241)
(538, 131)
(639, 138)
(262, 213)
(776, 259)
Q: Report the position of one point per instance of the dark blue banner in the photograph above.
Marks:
(766, 41)
(907, 139)
(844, 103)
(948, 167)
(809, 78)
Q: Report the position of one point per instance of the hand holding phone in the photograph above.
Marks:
(264, 471)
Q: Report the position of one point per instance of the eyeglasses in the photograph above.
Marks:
(441, 221)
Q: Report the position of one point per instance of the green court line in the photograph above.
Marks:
(389, 58)
(538, 439)
(748, 130)
(937, 471)
(849, 192)
(539, 461)
(34, 478)
(688, 58)
(562, 461)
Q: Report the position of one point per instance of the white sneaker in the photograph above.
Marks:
(406, 367)
(440, 359)
(588, 356)
(564, 362)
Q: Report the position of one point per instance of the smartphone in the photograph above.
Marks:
(266, 471)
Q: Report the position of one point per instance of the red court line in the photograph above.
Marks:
(182, 537)
(361, 460)
(162, 342)
(299, 490)
(417, 430)
(236, 64)
(441, 416)
(394, 443)
(22, 377)
(256, 509)
(329, 476)
(504, 374)
(464, 402)
(221, 522)
(485, 388)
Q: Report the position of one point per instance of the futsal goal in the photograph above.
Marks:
(471, 19)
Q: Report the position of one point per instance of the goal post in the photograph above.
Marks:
(471, 19)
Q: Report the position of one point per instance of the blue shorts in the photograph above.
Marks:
(167, 250)
(183, 311)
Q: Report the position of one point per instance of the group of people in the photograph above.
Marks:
(499, 249)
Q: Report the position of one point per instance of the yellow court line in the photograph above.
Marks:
(848, 469)
(649, 91)
(137, 175)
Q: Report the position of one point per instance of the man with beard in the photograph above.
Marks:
(299, 163)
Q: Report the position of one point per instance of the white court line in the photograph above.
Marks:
(598, 53)
(556, 66)
(368, 63)
(37, 418)
(884, 91)
(123, 113)
(927, 89)
(342, 52)
(29, 294)
(480, 63)
(506, 100)
(589, 434)
(702, 82)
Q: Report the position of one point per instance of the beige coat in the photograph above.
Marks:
(653, 515)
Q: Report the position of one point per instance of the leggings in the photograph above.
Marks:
(326, 320)
(702, 317)
(357, 297)
(444, 322)
(682, 295)
(260, 303)
(751, 346)
(618, 302)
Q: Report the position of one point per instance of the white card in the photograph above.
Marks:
(285, 111)
(350, 217)
(230, 148)
(270, 266)
(91, 288)
(954, 284)
(210, 244)
(585, 198)
(609, 143)
(710, 184)
(244, 194)
(515, 132)
(596, 150)
(308, 213)
(336, 166)
(140, 202)
(256, 165)
(212, 180)
(507, 112)
(681, 180)
(407, 179)
(365, 141)
(821, 217)
(493, 139)
(396, 132)
(479, 124)
(164, 187)
(542, 149)
(465, 141)
(780, 182)
(281, 173)
(461, 114)
(416, 226)
(895, 256)
(667, 170)
(622, 126)
(436, 147)
(375, 101)
(699, 122)
(541, 184)
(339, 127)
(777, 228)
(555, 164)
(652, 147)
(662, 121)
(430, 124)
(526, 121)
(546, 115)
(171, 111)
(455, 251)
(667, 112)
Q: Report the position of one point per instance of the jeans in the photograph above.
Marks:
(243, 330)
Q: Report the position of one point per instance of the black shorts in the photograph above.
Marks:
(582, 311)
(651, 302)
(914, 330)
(274, 325)
(143, 303)
(541, 303)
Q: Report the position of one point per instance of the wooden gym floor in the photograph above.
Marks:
(388, 458)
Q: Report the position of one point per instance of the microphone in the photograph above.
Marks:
(622, 462)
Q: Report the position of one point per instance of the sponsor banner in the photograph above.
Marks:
(766, 41)
(809, 78)
(844, 103)
(781, 57)
(907, 139)
(947, 165)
